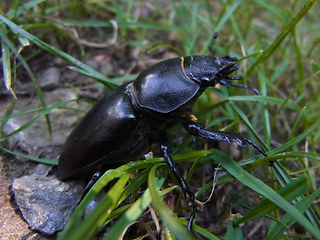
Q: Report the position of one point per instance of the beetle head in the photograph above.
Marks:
(209, 70)
(228, 65)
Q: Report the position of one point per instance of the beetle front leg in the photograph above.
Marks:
(183, 184)
(197, 129)
(230, 84)
(95, 177)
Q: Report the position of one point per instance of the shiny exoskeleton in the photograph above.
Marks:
(122, 126)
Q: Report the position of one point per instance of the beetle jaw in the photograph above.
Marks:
(229, 65)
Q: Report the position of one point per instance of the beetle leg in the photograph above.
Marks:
(184, 185)
(197, 129)
(232, 78)
(92, 181)
(230, 84)
(214, 37)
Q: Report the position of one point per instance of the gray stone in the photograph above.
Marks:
(49, 78)
(42, 169)
(45, 202)
(36, 135)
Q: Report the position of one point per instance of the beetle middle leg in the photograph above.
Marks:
(182, 182)
(197, 129)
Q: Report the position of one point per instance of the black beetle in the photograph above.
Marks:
(122, 126)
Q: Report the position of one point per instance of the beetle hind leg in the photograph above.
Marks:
(197, 129)
(182, 182)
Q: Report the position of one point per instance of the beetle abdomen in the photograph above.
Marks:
(105, 136)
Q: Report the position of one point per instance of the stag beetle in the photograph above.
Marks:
(122, 126)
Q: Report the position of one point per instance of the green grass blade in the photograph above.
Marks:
(267, 99)
(234, 169)
(228, 13)
(32, 76)
(6, 64)
(296, 89)
(233, 232)
(281, 156)
(90, 72)
(108, 176)
(165, 213)
(198, 229)
(97, 187)
(289, 192)
(285, 31)
(24, 8)
(36, 118)
(136, 209)
(7, 115)
(276, 230)
(134, 186)
(247, 122)
(91, 225)
(27, 156)
(297, 139)
(284, 178)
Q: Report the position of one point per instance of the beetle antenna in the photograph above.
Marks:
(214, 37)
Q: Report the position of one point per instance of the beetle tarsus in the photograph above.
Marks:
(194, 211)
(197, 129)
(256, 147)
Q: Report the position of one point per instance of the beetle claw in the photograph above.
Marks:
(256, 147)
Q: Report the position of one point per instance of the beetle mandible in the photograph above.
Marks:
(122, 126)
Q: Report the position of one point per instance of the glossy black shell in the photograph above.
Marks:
(112, 132)
(163, 87)
(122, 126)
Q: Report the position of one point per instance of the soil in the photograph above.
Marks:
(12, 225)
